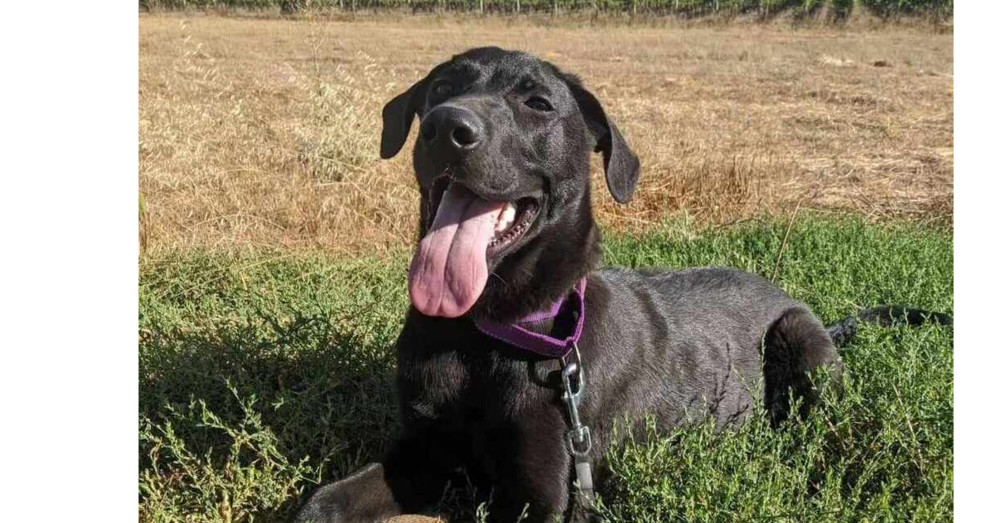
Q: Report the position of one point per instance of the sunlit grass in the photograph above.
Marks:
(263, 374)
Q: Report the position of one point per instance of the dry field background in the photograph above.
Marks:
(261, 133)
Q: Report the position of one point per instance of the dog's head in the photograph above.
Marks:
(502, 159)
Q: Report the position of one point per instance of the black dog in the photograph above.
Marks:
(506, 230)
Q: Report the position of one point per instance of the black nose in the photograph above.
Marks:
(452, 130)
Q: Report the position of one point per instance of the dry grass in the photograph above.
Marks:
(264, 132)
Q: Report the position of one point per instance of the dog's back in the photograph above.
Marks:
(687, 342)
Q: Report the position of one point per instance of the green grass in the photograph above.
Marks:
(261, 375)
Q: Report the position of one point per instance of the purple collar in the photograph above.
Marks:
(541, 344)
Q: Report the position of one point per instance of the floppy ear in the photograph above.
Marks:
(397, 116)
(621, 167)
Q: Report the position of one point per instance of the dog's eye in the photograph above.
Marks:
(443, 88)
(538, 104)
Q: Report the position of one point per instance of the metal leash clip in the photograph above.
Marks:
(578, 435)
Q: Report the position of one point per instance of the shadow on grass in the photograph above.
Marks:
(248, 401)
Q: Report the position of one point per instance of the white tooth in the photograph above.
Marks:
(509, 211)
(506, 218)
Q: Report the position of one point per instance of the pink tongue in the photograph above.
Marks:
(448, 272)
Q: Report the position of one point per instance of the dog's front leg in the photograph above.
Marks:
(533, 485)
(410, 480)
(363, 496)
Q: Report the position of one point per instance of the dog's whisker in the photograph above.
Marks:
(497, 276)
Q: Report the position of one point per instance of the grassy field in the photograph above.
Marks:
(263, 133)
(275, 245)
(265, 373)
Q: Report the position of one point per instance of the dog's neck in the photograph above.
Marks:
(561, 326)
(557, 267)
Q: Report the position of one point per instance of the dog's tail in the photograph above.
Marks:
(846, 329)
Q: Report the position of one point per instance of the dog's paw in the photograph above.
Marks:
(324, 506)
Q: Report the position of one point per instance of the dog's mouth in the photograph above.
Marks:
(466, 233)
(515, 219)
